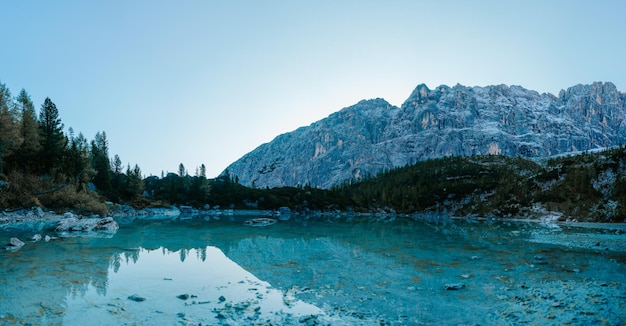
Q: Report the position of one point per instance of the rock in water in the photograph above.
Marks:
(137, 298)
(74, 224)
(453, 286)
(14, 244)
(36, 237)
(183, 296)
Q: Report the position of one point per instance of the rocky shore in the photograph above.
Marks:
(611, 238)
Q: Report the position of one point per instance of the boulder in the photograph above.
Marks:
(87, 226)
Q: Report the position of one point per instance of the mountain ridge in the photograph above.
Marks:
(372, 135)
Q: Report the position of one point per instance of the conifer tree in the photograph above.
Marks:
(77, 161)
(203, 171)
(100, 162)
(26, 155)
(9, 135)
(53, 141)
(118, 179)
(134, 182)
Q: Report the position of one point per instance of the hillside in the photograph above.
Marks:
(372, 136)
(585, 187)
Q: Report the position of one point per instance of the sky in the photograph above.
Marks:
(205, 82)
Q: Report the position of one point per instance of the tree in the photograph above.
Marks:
(118, 179)
(77, 161)
(100, 162)
(9, 134)
(117, 164)
(53, 141)
(203, 171)
(134, 182)
(26, 155)
(181, 170)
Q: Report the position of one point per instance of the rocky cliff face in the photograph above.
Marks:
(373, 135)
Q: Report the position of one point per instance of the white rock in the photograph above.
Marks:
(14, 243)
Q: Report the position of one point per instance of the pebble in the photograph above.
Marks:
(221, 298)
(183, 296)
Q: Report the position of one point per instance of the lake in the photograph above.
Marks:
(318, 270)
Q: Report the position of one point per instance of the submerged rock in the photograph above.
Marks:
(136, 297)
(14, 244)
(453, 286)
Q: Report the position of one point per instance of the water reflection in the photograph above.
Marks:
(194, 286)
(344, 270)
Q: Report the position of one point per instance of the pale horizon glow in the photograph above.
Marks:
(205, 82)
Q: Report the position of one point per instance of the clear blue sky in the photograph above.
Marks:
(197, 82)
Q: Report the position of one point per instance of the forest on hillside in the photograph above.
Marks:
(42, 165)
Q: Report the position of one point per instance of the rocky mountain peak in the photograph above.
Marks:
(373, 135)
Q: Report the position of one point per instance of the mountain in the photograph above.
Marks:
(373, 135)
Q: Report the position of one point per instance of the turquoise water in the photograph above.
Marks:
(353, 271)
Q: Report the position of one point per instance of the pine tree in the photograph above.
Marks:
(118, 179)
(77, 161)
(53, 141)
(134, 182)
(9, 135)
(100, 162)
(203, 171)
(26, 155)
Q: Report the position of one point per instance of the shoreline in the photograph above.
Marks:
(41, 218)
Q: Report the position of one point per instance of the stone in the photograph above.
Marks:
(453, 286)
(47, 238)
(221, 298)
(14, 244)
(36, 237)
(86, 225)
(540, 260)
(183, 296)
(136, 298)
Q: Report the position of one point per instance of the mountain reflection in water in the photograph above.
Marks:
(348, 270)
